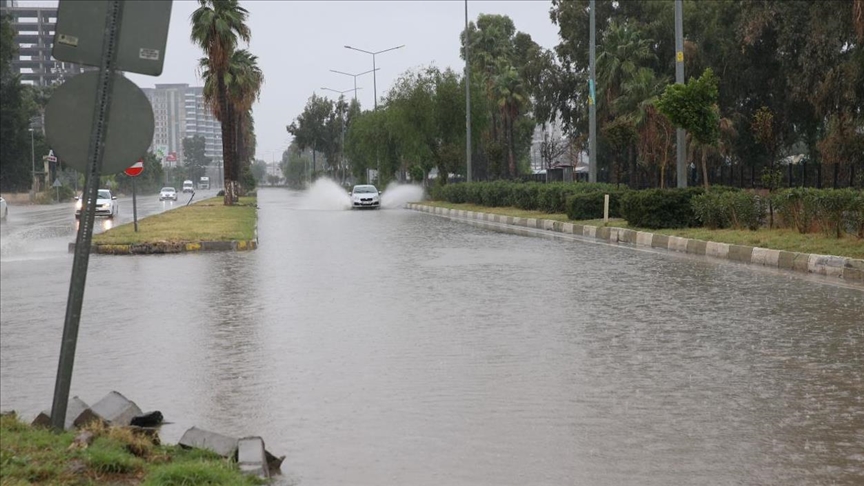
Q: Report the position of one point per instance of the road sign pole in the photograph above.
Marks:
(134, 206)
(85, 231)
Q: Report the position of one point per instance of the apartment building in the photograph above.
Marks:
(34, 38)
(179, 111)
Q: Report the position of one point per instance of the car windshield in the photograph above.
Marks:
(104, 195)
(365, 190)
(168, 189)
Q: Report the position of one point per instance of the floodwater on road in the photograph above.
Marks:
(397, 347)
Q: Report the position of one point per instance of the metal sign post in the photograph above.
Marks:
(133, 172)
(85, 232)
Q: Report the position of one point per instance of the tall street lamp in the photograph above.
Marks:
(375, 85)
(33, 162)
(373, 54)
(342, 117)
(355, 78)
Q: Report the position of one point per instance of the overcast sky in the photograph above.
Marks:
(298, 42)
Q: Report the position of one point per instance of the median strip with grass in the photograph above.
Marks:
(207, 225)
(34, 455)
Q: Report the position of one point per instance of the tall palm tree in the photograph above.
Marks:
(217, 25)
(511, 98)
(622, 52)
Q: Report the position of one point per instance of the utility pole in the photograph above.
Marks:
(680, 135)
(592, 101)
(467, 101)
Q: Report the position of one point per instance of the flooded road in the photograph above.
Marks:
(397, 347)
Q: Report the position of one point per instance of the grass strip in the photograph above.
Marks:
(34, 455)
(208, 220)
(786, 239)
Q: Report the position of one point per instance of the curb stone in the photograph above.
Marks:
(849, 269)
(166, 247)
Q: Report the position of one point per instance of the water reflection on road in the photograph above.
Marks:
(394, 347)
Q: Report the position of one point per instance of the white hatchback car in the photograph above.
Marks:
(168, 193)
(365, 196)
(106, 204)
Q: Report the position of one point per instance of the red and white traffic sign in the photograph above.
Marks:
(50, 157)
(136, 169)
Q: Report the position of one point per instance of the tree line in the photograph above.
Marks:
(774, 91)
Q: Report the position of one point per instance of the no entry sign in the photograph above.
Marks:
(136, 169)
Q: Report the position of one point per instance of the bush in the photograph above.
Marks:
(730, 209)
(525, 195)
(660, 208)
(797, 208)
(834, 207)
(589, 205)
(496, 194)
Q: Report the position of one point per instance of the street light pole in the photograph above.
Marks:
(375, 86)
(355, 78)
(467, 101)
(33, 163)
(681, 138)
(592, 103)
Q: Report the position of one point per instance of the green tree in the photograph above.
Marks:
(310, 129)
(259, 171)
(14, 119)
(693, 107)
(194, 158)
(217, 26)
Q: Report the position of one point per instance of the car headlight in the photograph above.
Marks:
(78, 204)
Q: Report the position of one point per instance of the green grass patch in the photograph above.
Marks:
(775, 239)
(208, 220)
(32, 455)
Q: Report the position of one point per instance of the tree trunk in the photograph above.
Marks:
(632, 160)
(511, 161)
(228, 148)
(705, 167)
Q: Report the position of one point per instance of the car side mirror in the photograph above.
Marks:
(113, 197)
(379, 192)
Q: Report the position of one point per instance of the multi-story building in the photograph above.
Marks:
(179, 111)
(34, 38)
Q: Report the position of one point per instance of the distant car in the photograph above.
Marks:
(4, 209)
(168, 193)
(106, 204)
(188, 186)
(365, 196)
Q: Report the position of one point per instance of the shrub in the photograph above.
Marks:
(496, 194)
(660, 208)
(589, 205)
(797, 208)
(855, 215)
(524, 196)
(730, 209)
(833, 208)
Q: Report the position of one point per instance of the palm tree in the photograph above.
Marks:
(622, 53)
(636, 102)
(216, 27)
(511, 97)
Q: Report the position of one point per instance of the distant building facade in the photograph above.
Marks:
(179, 111)
(34, 38)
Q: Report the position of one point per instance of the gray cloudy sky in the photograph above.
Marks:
(298, 42)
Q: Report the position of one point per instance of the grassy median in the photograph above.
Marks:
(208, 220)
(32, 455)
(775, 239)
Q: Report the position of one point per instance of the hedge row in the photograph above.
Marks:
(832, 211)
(534, 196)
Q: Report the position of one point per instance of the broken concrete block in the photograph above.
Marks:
(251, 458)
(273, 462)
(196, 438)
(115, 409)
(76, 411)
(149, 419)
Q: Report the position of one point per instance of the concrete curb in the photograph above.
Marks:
(849, 269)
(165, 247)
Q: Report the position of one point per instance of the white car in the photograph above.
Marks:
(168, 193)
(4, 209)
(365, 196)
(106, 204)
